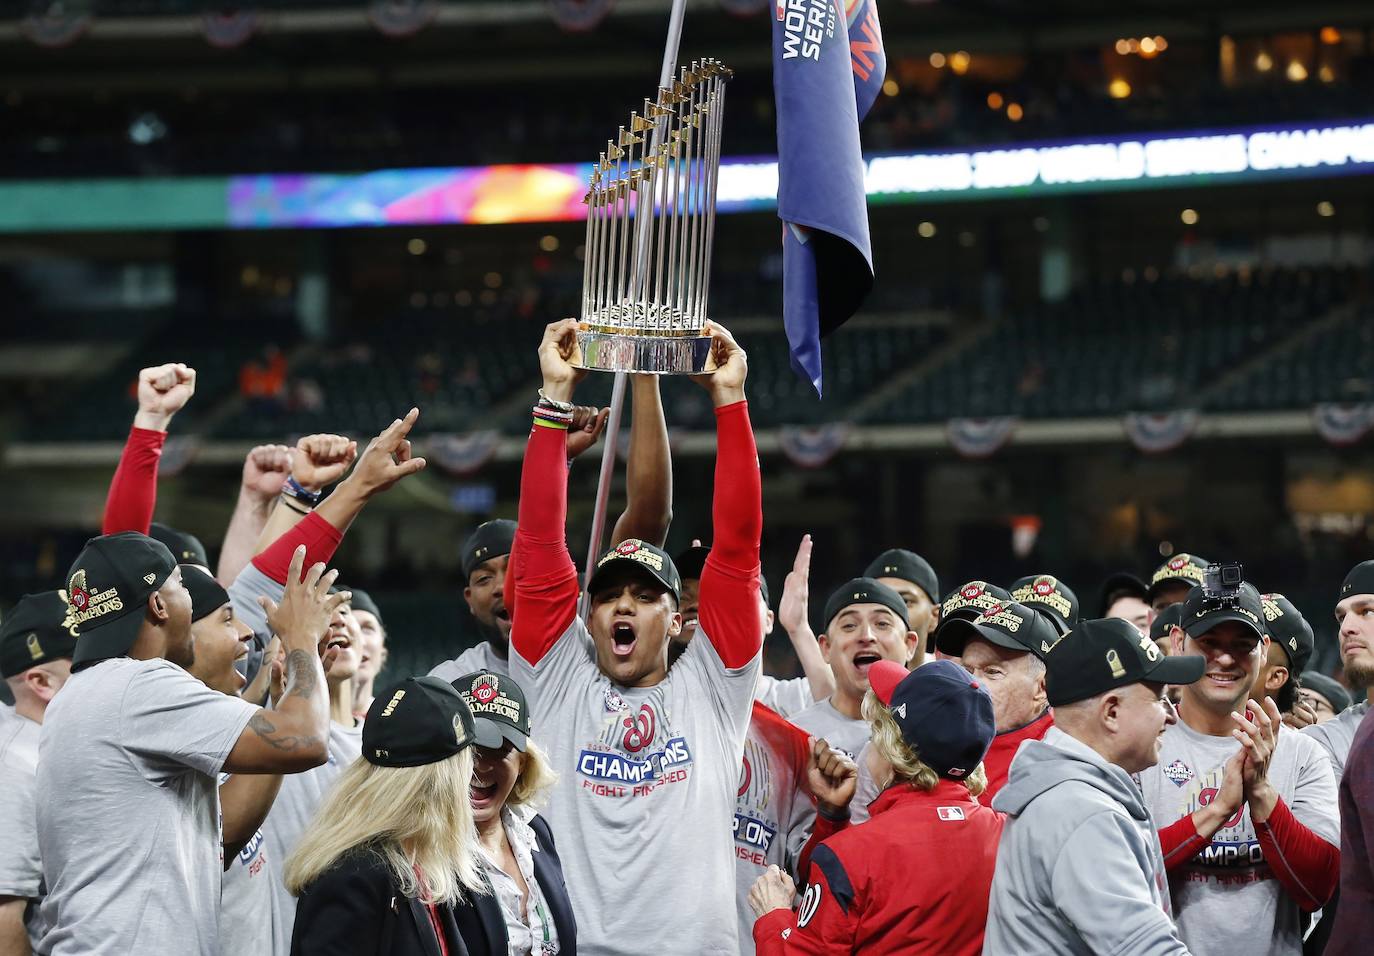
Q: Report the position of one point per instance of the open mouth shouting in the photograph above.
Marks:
(623, 639)
(480, 793)
(864, 660)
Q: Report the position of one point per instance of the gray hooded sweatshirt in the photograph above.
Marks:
(1079, 869)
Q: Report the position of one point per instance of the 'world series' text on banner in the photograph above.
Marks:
(828, 68)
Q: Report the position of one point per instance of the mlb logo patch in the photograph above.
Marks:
(950, 813)
(1178, 772)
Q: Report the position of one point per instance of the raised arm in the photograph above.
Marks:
(730, 580)
(794, 616)
(294, 736)
(545, 578)
(264, 470)
(162, 392)
(649, 472)
(317, 462)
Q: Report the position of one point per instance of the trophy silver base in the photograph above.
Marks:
(648, 354)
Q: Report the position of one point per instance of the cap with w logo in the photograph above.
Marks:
(107, 589)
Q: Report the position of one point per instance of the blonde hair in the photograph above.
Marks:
(906, 764)
(410, 817)
(536, 777)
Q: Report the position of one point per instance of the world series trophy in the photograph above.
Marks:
(651, 215)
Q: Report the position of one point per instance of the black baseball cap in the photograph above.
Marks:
(907, 565)
(943, 713)
(1288, 629)
(107, 588)
(491, 539)
(422, 721)
(1336, 695)
(1202, 613)
(690, 561)
(34, 632)
(186, 548)
(1051, 597)
(1101, 655)
(362, 601)
(1119, 585)
(499, 709)
(864, 591)
(646, 558)
(1014, 626)
(1360, 580)
(1180, 569)
(207, 595)
(1166, 620)
(971, 599)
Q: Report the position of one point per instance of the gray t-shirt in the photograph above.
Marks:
(1227, 901)
(1337, 734)
(482, 657)
(786, 697)
(300, 796)
(642, 809)
(822, 720)
(250, 912)
(21, 872)
(128, 810)
(773, 810)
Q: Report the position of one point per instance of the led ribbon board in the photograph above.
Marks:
(554, 192)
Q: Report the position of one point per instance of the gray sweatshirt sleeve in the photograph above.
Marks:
(1102, 887)
(244, 593)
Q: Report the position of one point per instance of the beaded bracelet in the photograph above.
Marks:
(551, 418)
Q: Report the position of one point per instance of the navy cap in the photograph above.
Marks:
(107, 589)
(36, 630)
(207, 595)
(1180, 569)
(865, 591)
(1050, 596)
(499, 709)
(1013, 626)
(186, 548)
(490, 540)
(1289, 630)
(422, 721)
(647, 559)
(691, 561)
(943, 713)
(362, 601)
(908, 566)
(1101, 655)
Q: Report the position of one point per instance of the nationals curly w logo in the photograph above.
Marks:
(639, 730)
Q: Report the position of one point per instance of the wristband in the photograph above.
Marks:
(549, 418)
(288, 502)
(839, 817)
(295, 489)
(555, 404)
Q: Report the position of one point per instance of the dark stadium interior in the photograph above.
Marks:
(1250, 303)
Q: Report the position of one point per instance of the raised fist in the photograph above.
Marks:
(555, 354)
(264, 470)
(163, 390)
(321, 460)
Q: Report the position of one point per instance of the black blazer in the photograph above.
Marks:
(355, 909)
(479, 918)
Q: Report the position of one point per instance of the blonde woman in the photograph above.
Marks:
(393, 849)
(915, 878)
(528, 912)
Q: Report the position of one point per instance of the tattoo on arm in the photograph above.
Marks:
(262, 725)
(301, 674)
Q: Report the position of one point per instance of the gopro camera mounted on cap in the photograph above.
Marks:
(1221, 583)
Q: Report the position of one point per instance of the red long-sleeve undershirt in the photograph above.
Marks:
(133, 489)
(319, 537)
(1305, 865)
(546, 586)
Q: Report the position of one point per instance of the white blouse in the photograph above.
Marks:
(533, 934)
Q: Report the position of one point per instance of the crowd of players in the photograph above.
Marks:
(196, 762)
